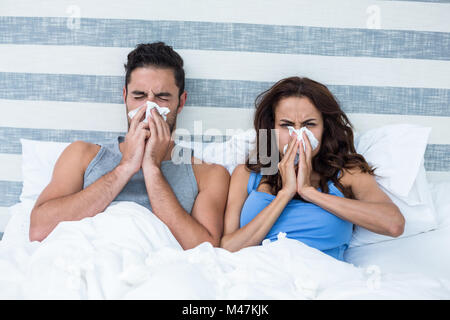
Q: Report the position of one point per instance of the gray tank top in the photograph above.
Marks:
(180, 177)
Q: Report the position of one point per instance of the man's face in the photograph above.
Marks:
(156, 85)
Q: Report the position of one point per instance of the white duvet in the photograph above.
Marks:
(126, 252)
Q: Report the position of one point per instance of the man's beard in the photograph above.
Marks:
(172, 121)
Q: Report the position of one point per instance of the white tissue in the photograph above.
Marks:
(312, 139)
(163, 111)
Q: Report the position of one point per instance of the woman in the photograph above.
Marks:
(318, 200)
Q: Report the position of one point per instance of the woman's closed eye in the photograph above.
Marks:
(309, 124)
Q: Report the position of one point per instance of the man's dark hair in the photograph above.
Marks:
(156, 54)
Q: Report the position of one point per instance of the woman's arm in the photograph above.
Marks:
(372, 209)
(235, 238)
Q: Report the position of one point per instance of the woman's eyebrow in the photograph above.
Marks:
(307, 120)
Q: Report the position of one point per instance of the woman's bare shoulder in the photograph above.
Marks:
(241, 171)
(239, 178)
(237, 193)
(351, 175)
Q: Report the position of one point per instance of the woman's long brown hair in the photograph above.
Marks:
(337, 150)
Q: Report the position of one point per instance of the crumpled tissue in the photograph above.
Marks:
(163, 111)
(312, 139)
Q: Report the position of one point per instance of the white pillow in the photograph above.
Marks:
(38, 160)
(396, 151)
(419, 218)
(229, 153)
(440, 191)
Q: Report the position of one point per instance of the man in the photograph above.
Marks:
(189, 198)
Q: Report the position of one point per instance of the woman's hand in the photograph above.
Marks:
(304, 167)
(287, 169)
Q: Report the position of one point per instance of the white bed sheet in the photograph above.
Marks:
(416, 267)
(127, 253)
(427, 253)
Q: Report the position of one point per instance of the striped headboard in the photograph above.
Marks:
(61, 65)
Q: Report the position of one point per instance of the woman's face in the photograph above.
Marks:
(297, 112)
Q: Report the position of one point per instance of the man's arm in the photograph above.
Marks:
(205, 223)
(64, 198)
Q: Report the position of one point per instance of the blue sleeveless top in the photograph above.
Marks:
(303, 221)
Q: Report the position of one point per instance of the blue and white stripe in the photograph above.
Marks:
(61, 65)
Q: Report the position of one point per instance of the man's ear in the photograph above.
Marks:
(124, 93)
(183, 98)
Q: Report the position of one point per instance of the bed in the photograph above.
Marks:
(61, 78)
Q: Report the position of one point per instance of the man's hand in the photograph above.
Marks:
(159, 142)
(134, 144)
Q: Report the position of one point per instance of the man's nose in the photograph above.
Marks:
(151, 97)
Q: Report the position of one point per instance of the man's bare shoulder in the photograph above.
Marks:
(83, 151)
(67, 177)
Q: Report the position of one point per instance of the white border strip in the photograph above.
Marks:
(63, 115)
(11, 168)
(232, 65)
(111, 117)
(401, 15)
(53, 59)
(440, 133)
